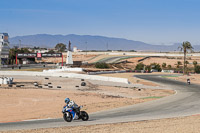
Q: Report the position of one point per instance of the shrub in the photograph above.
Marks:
(139, 66)
(156, 67)
(101, 65)
(148, 68)
(169, 66)
(164, 65)
(197, 69)
(195, 63)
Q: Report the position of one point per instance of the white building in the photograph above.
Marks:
(75, 49)
(4, 48)
(41, 50)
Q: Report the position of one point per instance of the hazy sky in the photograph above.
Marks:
(151, 21)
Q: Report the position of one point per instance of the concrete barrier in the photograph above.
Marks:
(64, 69)
(68, 75)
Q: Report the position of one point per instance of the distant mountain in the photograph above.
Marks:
(90, 42)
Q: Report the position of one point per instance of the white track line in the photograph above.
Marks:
(38, 119)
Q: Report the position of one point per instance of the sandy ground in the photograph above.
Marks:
(194, 78)
(30, 102)
(189, 124)
(28, 99)
(82, 57)
(160, 60)
(131, 78)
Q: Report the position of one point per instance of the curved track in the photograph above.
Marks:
(114, 59)
(185, 102)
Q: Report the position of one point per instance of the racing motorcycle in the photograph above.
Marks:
(70, 114)
(188, 81)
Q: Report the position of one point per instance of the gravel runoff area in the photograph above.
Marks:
(31, 102)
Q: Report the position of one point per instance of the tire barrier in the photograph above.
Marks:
(83, 84)
(105, 72)
(35, 83)
(58, 86)
(50, 86)
(10, 85)
(6, 80)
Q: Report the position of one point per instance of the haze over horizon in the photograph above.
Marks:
(153, 22)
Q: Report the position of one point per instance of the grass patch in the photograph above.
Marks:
(170, 76)
(153, 97)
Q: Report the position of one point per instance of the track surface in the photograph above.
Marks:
(185, 102)
(114, 59)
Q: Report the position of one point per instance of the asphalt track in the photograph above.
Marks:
(184, 103)
(114, 59)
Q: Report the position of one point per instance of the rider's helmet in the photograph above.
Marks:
(67, 100)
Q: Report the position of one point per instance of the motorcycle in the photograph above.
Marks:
(70, 114)
(188, 81)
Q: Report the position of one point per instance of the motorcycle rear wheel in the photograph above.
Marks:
(67, 118)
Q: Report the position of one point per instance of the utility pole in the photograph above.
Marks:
(19, 43)
(86, 47)
(107, 46)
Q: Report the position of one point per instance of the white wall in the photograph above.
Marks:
(69, 75)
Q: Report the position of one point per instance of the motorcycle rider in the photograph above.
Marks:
(73, 105)
(188, 81)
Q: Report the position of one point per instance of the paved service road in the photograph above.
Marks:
(185, 102)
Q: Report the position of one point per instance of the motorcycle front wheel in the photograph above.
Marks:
(84, 115)
(67, 117)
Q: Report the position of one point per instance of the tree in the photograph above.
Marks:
(178, 64)
(60, 47)
(185, 47)
(101, 65)
(148, 68)
(169, 66)
(139, 66)
(156, 67)
(195, 63)
(14, 51)
(164, 65)
(186, 63)
(197, 69)
(51, 51)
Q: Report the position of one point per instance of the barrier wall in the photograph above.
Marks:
(64, 69)
(68, 75)
(155, 54)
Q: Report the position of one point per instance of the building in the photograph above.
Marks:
(4, 48)
(75, 49)
(41, 50)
